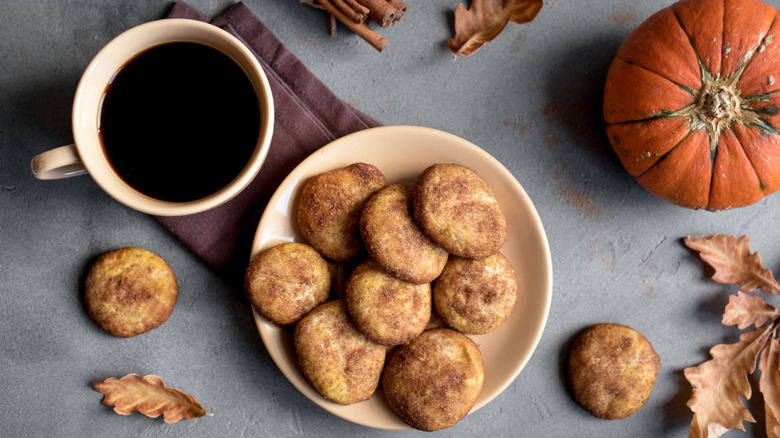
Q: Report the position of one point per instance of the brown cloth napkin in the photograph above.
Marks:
(307, 116)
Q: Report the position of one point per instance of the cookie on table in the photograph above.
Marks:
(386, 309)
(432, 382)
(130, 291)
(393, 239)
(286, 281)
(329, 209)
(340, 363)
(476, 296)
(612, 370)
(458, 211)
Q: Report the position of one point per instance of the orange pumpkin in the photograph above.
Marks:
(691, 103)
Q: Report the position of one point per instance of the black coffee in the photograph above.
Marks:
(179, 121)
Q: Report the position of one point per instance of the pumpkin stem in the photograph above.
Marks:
(717, 104)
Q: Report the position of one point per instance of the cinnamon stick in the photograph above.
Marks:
(361, 29)
(352, 9)
(382, 12)
(354, 4)
(398, 4)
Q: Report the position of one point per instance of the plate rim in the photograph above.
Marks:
(391, 130)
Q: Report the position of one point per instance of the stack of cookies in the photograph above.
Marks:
(417, 251)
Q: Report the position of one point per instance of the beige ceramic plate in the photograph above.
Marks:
(402, 153)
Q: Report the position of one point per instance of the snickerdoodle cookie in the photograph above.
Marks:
(386, 309)
(340, 363)
(458, 211)
(286, 281)
(476, 296)
(130, 291)
(612, 370)
(432, 382)
(393, 239)
(329, 209)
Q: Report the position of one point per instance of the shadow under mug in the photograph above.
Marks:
(86, 155)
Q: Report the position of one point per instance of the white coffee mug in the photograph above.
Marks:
(86, 155)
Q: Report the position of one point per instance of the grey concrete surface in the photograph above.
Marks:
(532, 98)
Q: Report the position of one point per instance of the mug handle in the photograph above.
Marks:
(62, 162)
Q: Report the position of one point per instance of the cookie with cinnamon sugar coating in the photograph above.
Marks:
(457, 210)
(286, 281)
(338, 361)
(476, 296)
(612, 370)
(329, 209)
(386, 309)
(130, 291)
(432, 382)
(393, 239)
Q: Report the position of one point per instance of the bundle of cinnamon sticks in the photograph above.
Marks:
(355, 14)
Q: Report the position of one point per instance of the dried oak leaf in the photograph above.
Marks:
(149, 396)
(733, 263)
(769, 386)
(719, 383)
(485, 19)
(744, 310)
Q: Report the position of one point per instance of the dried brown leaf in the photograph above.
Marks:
(485, 19)
(719, 383)
(714, 430)
(744, 310)
(733, 263)
(768, 385)
(149, 396)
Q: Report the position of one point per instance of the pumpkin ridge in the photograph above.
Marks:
(712, 175)
(666, 154)
(748, 58)
(755, 120)
(691, 37)
(664, 114)
(761, 97)
(743, 63)
(722, 42)
(762, 185)
(685, 88)
(760, 122)
(673, 59)
(758, 77)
